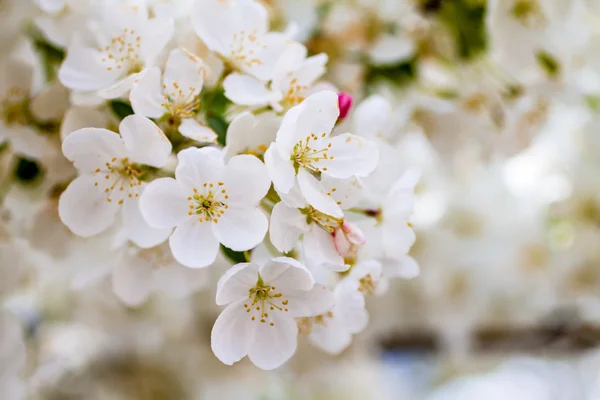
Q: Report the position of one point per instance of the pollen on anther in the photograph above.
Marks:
(253, 318)
(272, 323)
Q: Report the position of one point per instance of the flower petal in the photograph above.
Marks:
(83, 70)
(136, 228)
(246, 180)
(83, 208)
(273, 345)
(78, 117)
(404, 267)
(235, 283)
(132, 281)
(350, 155)
(287, 275)
(316, 196)
(397, 238)
(247, 91)
(286, 225)
(310, 303)
(240, 228)
(120, 88)
(193, 243)
(199, 166)
(281, 171)
(91, 148)
(157, 34)
(183, 72)
(147, 96)
(144, 141)
(232, 333)
(319, 249)
(164, 204)
(192, 129)
(371, 116)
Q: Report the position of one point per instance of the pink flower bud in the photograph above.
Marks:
(345, 104)
(347, 238)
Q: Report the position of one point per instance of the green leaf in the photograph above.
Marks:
(466, 21)
(219, 125)
(548, 63)
(399, 74)
(120, 108)
(235, 256)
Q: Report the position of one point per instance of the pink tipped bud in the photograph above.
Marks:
(345, 104)
(347, 238)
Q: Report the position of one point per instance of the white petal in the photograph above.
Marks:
(120, 88)
(316, 196)
(193, 243)
(235, 283)
(157, 33)
(51, 103)
(281, 171)
(315, 115)
(312, 69)
(241, 229)
(286, 225)
(199, 166)
(91, 148)
(331, 337)
(397, 238)
(246, 90)
(319, 249)
(192, 129)
(137, 229)
(371, 116)
(147, 96)
(402, 267)
(164, 203)
(352, 155)
(310, 303)
(83, 208)
(28, 142)
(78, 117)
(132, 281)
(287, 275)
(269, 51)
(350, 307)
(178, 282)
(144, 141)
(232, 333)
(273, 345)
(346, 192)
(83, 70)
(246, 180)
(184, 71)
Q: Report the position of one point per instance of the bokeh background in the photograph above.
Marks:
(497, 103)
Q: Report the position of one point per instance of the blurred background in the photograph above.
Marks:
(497, 103)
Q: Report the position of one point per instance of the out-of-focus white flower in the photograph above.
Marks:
(209, 203)
(251, 134)
(262, 304)
(127, 43)
(177, 96)
(333, 330)
(293, 77)
(304, 147)
(12, 358)
(143, 272)
(110, 167)
(238, 31)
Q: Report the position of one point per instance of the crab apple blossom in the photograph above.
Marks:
(127, 43)
(304, 148)
(176, 94)
(238, 31)
(251, 134)
(110, 166)
(333, 330)
(293, 77)
(263, 303)
(209, 202)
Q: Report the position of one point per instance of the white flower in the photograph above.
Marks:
(15, 90)
(369, 277)
(303, 147)
(262, 305)
(110, 166)
(209, 203)
(127, 42)
(238, 31)
(293, 76)
(13, 355)
(251, 134)
(145, 271)
(322, 244)
(177, 95)
(333, 330)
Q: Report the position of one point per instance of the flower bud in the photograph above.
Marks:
(345, 104)
(347, 238)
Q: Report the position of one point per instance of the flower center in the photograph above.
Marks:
(308, 152)
(123, 53)
(264, 299)
(325, 221)
(121, 179)
(306, 324)
(15, 113)
(294, 93)
(529, 13)
(182, 103)
(244, 47)
(210, 205)
(367, 285)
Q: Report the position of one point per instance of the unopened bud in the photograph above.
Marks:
(345, 104)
